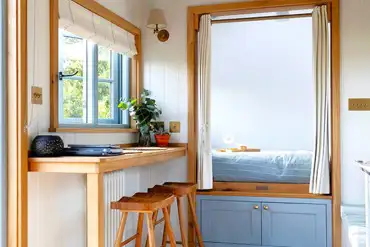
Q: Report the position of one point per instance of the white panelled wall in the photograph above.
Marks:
(355, 35)
(56, 202)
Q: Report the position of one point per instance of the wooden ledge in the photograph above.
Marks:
(93, 130)
(261, 194)
(104, 164)
(262, 190)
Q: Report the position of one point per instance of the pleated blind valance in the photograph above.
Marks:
(82, 22)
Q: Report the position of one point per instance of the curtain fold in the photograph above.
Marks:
(320, 174)
(205, 174)
(82, 22)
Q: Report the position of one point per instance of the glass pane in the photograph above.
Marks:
(262, 101)
(104, 63)
(125, 86)
(73, 54)
(73, 100)
(105, 92)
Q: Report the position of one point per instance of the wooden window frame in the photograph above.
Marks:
(116, 79)
(135, 73)
(272, 190)
(17, 112)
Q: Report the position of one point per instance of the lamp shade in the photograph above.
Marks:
(156, 19)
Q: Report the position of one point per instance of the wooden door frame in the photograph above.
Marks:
(17, 138)
(193, 16)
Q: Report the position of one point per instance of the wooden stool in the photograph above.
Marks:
(180, 190)
(146, 204)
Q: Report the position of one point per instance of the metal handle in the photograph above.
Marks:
(61, 75)
(256, 207)
(265, 207)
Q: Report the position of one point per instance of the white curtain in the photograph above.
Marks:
(320, 174)
(205, 174)
(82, 22)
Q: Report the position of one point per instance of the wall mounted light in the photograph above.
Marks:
(158, 23)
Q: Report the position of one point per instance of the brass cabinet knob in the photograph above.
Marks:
(265, 207)
(256, 207)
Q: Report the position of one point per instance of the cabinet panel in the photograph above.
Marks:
(236, 222)
(294, 225)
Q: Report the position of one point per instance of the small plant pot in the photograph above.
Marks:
(162, 140)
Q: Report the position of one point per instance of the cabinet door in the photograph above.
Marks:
(234, 222)
(294, 225)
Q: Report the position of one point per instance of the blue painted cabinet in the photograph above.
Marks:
(268, 222)
(233, 222)
(293, 225)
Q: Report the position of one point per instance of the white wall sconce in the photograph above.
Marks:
(157, 22)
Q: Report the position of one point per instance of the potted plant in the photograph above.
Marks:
(143, 111)
(162, 137)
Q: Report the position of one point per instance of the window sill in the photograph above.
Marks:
(93, 130)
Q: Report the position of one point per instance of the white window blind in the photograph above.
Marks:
(82, 22)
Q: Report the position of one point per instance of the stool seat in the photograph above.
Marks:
(144, 202)
(178, 189)
(148, 205)
(181, 190)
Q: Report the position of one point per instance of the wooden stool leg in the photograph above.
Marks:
(180, 210)
(155, 216)
(164, 237)
(150, 225)
(121, 229)
(140, 222)
(167, 219)
(195, 221)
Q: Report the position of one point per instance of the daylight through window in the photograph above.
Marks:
(92, 79)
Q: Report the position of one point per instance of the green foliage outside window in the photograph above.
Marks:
(73, 101)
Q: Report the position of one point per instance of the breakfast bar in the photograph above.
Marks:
(104, 182)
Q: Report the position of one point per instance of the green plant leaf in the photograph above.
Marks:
(143, 111)
(133, 101)
(122, 105)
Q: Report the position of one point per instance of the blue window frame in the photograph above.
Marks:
(92, 79)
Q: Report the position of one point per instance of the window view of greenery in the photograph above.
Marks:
(75, 89)
(105, 88)
(74, 60)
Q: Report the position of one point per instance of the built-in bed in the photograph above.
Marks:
(266, 166)
(255, 220)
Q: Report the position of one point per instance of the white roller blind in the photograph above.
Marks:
(77, 20)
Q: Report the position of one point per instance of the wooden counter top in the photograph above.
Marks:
(105, 164)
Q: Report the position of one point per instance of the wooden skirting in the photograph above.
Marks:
(261, 190)
(262, 187)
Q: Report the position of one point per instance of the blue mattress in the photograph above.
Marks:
(265, 167)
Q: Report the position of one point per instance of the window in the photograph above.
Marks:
(92, 79)
(270, 85)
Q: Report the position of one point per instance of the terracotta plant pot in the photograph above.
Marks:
(162, 140)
